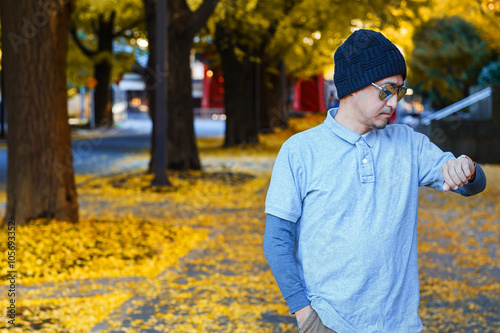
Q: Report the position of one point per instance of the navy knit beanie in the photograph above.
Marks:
(365, 57)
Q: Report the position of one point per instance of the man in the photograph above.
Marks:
(342, 204)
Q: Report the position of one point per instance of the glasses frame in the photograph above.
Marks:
(386, 93)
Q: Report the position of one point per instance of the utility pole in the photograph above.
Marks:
(160, 124)
(2, 106)
(284, 98)
(256, 114)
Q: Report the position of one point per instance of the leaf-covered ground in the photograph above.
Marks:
(189, 258)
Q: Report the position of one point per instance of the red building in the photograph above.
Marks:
(213, 89)
(309, 95)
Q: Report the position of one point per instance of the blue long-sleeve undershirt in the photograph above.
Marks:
(279, 245)
(475, 186)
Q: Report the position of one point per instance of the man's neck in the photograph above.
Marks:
(345, 118)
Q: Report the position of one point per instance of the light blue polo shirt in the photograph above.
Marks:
(354, 199)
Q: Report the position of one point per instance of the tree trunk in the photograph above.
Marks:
(149, 75)
(182, 152)
(102, 96)
(40, 177)
(102, 71)
(239, 84)
(271, 99)
(239, 95)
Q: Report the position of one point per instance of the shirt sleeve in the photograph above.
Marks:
(279, 245)
(474, 187)
(430, 159)
(285, 193)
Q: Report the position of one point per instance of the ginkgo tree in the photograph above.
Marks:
(241, 32)
(483, 14)
(40, 175)
(94, 26)
(253, 36)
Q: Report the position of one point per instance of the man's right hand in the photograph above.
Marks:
(302, 314)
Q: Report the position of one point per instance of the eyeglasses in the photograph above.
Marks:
(388, 91)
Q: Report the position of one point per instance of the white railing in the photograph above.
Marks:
(485, 93)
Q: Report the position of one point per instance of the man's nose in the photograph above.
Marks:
(392, 102)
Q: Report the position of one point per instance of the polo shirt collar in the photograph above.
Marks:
(345, 133)
(370, 137)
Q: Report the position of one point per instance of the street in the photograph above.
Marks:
(121, 148)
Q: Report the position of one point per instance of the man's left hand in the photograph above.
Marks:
(457, 172)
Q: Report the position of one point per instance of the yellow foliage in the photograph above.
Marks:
(60, 314)
(54, 251)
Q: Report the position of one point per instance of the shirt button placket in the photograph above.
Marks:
(366, 169)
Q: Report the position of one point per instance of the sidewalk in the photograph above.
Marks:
(223, 285)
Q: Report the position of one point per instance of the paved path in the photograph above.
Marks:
(221, 287)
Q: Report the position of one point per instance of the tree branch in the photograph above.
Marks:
(121, 32)
(487, 16)
(201, 15)
(271, 31)
(85, 50)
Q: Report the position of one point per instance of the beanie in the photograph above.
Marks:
(365, 57)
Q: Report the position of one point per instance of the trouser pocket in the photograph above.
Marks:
(313, 324)
(307, 322)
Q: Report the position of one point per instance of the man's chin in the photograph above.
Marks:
(380, 125)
